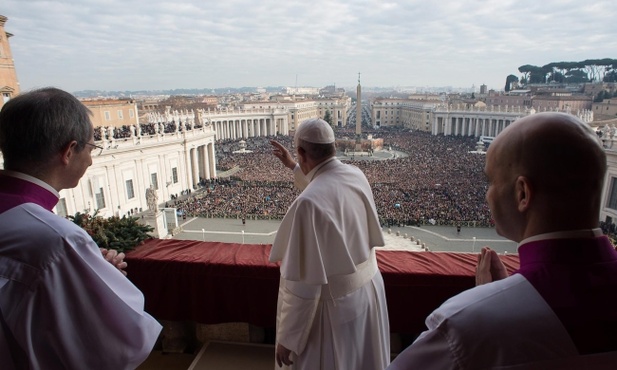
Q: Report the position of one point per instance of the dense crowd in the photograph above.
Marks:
(438, 182)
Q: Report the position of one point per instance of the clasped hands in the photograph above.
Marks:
(489, 268)
(116, 259)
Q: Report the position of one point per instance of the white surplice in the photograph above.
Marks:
(62, 305)
(332, 310)
(502, 325)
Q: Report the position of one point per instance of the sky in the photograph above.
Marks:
(174, 44)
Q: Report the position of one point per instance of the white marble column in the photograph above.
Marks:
(194, 166)
(212, 160)
(206, 162)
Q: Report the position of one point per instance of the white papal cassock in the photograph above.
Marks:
(332, 307)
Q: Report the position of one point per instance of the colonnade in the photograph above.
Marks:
(243, 128)
(468, 125)
(202, 163)
(479, 122)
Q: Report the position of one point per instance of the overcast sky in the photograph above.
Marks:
(156, 44)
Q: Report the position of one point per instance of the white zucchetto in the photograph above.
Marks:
(315, 130)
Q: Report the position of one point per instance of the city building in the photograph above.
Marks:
(113, 112)
(300, 108)
(9, 86)
(115, 184)
(301, 90)
(606, 109)
(416, 112)
(608, 212)
(563, 100)
(516, 98)
(488, 121)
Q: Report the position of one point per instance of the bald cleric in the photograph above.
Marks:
(558, 311)
(332, 310)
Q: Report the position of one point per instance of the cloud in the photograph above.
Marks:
(132, 45)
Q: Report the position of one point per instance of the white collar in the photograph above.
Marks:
(313, 172)
(566, 234)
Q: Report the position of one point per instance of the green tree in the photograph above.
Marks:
(597, 68)
(601, 96)
(118, 233)
(526, 71)
(576, 76)
(328, 117)
(509, 80)
(588, 70)
(534, 74)
(611, 76)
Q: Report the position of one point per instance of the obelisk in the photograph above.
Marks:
(359, 109)
(359, 116)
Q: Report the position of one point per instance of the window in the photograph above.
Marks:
(174, 175)
(130, 192)
(100, 199)
(61, 208)
(131, 113)
(6, 97)
(612, 196)
(154, 181)
(120, 114)
(107, 116)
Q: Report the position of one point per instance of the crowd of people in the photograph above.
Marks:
(144, 129)
(438, 182)
(332, 310)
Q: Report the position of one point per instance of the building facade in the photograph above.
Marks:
(562, 102)
(291, 111)
(485, 121)
(113, 112)
(606, 109)
(608, 212)
(116, 183)
(9, 86)
(516, 98)
(236, 124)
(414, 113)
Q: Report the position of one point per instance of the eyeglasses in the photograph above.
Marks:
(97, 149)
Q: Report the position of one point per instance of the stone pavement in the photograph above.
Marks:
(436, 238)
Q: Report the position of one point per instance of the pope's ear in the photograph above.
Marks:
(301, 153)
(68, 152)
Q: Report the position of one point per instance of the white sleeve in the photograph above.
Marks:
(431, 350)
(86, 314)
(300, 179)
(298, 306)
